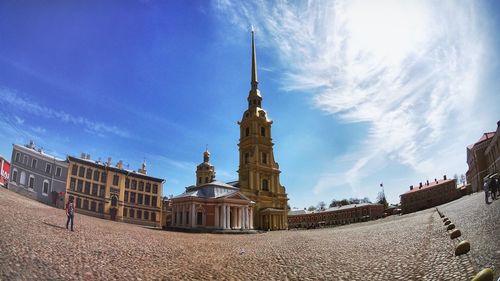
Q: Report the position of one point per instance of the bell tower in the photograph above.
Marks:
(205, 172)
(258, 171)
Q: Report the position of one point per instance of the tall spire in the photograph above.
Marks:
(255, 82)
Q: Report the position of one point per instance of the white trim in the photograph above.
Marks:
(60, 171)
(44, 176)
(34, 162)
(34, 153)
(15, 157)
(21, 177)
(25, 159)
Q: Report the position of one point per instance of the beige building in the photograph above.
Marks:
(112, 192)
(210, 204)
(258, 170)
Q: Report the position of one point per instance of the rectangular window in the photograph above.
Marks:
(127, 183)
(134, 184)
(139, 214)
(154, 201)
(139, 198)
(33, 163)
(79, 186)
(93, 206)
(132, 197)
(102, 191)
(141, 186)
(116, 180)
(87, 187)
(131, 213)
(146, 215)
(125, 212)
(58, 171)
(81, 172)
(147, 200)
(74, 170)
(95, 189)
(153, 216)
(72, 184)
(48, 168)
(264, 158)
(85, 204)
(89, 174)
(199, 218)
(148, 187)
(31, 182)
(25, 160)
(155, 189)
(96, 175)
(100, 208)
(126, 196)
(104, 177)
(45, 187)
(18, 156)
(78, 202)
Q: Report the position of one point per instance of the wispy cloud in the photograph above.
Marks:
(407, 68)
(10, 98)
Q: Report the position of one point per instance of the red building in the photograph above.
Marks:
(5, 172)
(429, 194)
(335, 215)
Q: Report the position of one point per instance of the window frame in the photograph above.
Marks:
(48, 168)
(43, 187)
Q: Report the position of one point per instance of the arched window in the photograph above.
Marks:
(265, 185)
(263, 131)
(114, 201)
(247, 158)
(14, 175)
(264, 158)
(247, 132)
(22, 180)
(199, 180)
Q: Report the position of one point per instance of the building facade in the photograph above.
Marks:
(38, 175)
(492, 153)
(210, 204)
(478, 162)
(429, 194)
(335, 215)
(112, 192)
(4, 172)
(258, 171)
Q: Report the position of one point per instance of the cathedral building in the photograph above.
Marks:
(257, 200)
(258, 171)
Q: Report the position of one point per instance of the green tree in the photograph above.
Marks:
(311, 208)
(321, 205)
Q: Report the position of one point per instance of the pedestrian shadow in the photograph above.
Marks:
(54, 225)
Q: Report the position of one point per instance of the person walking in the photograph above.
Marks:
(70, 212)
(486, 193)
(493, 188)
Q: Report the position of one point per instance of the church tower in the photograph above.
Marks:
(258, 171)
(205, 172)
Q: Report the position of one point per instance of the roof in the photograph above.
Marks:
(427, 187)
(332, 209)
(298, 212)
(101, 165)
(215, 189)
(39, 153)
(484, 137)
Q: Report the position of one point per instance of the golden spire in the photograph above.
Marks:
(254, 82)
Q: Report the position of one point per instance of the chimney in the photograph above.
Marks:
(83, 156)
(119, 165)
(420, 185)
(411, 187)
(109, 162)
(87, 156)
(444, 177)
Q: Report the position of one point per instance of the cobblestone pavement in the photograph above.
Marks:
(480, 225)
(35, 245)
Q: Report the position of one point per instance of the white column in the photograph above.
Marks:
(245, 220)
(223, 223)
(193, 216)
(228, 216)
(216, 216)
(251, 218)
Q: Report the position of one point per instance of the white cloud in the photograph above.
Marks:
(407, 68)
(11, 99)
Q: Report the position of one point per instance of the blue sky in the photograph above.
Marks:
(360, 92)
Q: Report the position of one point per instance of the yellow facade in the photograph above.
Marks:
(101, 190)
(258, 171)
